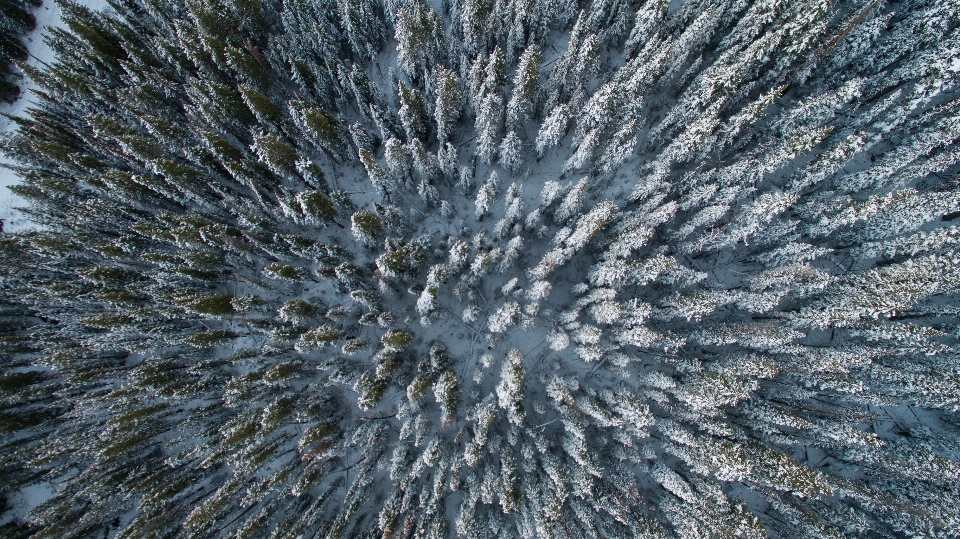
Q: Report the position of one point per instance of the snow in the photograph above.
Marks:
(48, 17)
(26, 499)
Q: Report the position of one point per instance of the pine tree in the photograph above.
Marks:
(447, 160)
(511, 152)
(576, 66)
(523, 102)
(399, 161)
(420, 39)
(413, 113)
(265, 110)
(363, 26)
(648, 22)
(553, 129)
(324, 130)
(473, 21)
(447, 109)
(367, 226)
(486, 195)
(572, 203)
(510, 391)
(378, 176)
(17, 22)
(489, 128)
(612, 18)
(362, 140)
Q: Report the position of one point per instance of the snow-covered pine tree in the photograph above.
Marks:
(413, 113)
(18, 21)
(448, 107)
(523, 101)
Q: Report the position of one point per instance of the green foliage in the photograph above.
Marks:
(20, 380)
(413, 113)
(318, 206)
(389, 364)
(396, 340)
(287, 334)
(248, 63)
(349, 274)
(262, 106)
(322, 128)
(402, 258)
(277, 154)
(367, 299)
(198, 274)
(106, 275)
(321, 336)
(121, 297)
(418, 388)
(280, 372)
(342, 200)
(107, 320)
(355, 346)
(208, 304)
(297, 311)
(247, 303)
(18, 21)
(367, 226)
(370, 389)
(284, 272)
(219, 145)
(447, 392)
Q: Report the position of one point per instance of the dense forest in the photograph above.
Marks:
(486, 268)
(16, 20)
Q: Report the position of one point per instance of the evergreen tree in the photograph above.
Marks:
(511, 152)
(420, 39)
(399, 161)
(553, 129)
(648, 22)
(413, 113)
(473, 20)
(448, 107)
(378, 176)
(17, 21)
(363, 26)
(321, 128)
(523, 102)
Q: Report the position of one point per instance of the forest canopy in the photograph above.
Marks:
(16, 21)
(486, 268)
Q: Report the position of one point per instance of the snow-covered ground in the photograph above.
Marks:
(48, 16)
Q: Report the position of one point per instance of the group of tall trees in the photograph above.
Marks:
(16, 21)
(486, 268)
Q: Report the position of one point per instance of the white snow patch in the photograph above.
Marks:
(27, 498)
